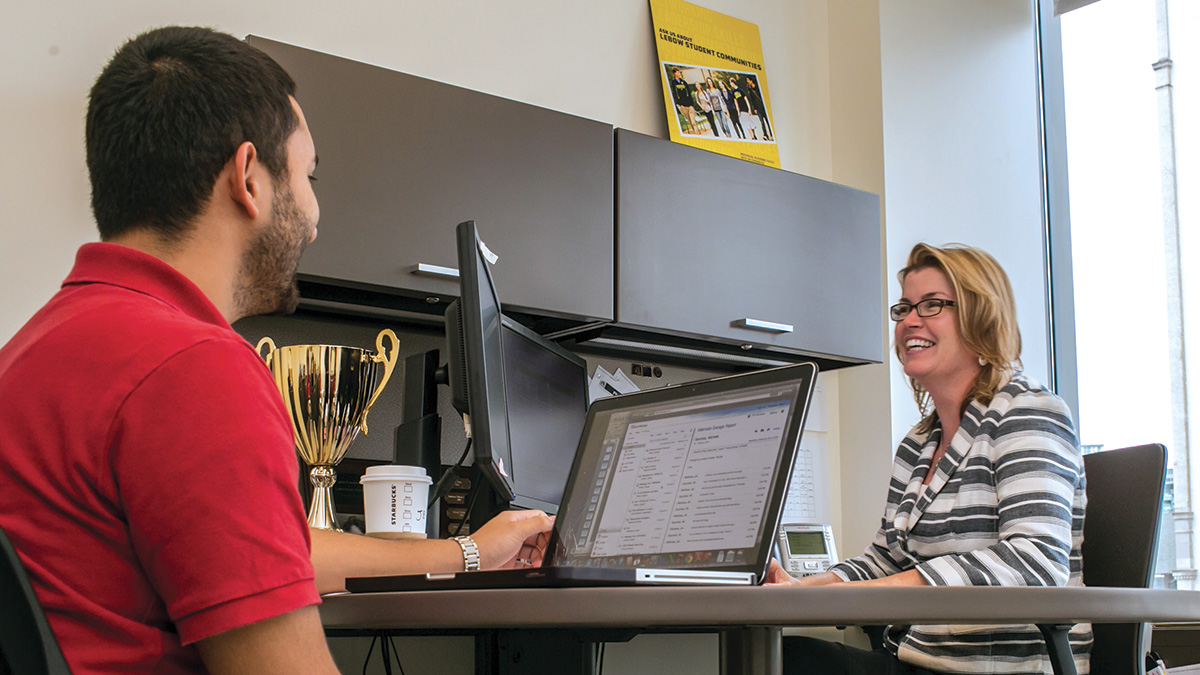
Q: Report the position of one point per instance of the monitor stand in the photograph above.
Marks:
(419, 442)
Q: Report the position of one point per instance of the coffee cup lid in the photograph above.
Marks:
(415, 474)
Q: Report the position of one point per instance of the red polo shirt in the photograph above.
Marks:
(147, 470)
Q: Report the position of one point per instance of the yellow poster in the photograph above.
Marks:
(714, 83)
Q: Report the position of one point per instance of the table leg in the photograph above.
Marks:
(752, 651)
(1059, 647)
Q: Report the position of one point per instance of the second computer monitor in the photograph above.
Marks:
(525, 396)
(546, 388)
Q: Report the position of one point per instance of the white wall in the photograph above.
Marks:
(954, 137)
(864, 455)
(961, 150)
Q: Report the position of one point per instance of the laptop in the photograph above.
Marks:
(679, 485)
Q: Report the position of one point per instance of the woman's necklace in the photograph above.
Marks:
(943, 443)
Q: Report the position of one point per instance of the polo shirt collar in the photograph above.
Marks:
(124, 267)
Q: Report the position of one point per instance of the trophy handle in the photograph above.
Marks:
(265, 341)
(389, 363)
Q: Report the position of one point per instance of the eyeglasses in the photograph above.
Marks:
(925, 308)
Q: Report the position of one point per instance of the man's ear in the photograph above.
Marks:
(246, 179)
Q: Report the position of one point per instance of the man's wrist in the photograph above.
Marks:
(470, 551)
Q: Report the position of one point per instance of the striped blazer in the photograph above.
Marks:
(1004, 508)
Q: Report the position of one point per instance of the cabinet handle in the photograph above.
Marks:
(435, 271)
(757, 324)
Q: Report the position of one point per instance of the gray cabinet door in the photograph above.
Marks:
(713, 246)
(404, 159)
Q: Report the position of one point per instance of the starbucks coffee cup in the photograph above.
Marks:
(395, 500)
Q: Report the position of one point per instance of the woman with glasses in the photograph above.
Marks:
(986, 489)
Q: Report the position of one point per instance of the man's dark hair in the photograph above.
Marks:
(165, 116)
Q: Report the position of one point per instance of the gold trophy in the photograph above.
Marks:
(327, 391)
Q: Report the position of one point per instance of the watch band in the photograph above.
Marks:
(470, 553)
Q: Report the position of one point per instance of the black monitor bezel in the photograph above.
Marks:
(484, 362)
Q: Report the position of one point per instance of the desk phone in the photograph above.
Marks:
(806, 548)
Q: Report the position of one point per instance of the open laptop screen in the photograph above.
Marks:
(683, 480)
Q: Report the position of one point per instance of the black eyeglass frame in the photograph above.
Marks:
(925, 308)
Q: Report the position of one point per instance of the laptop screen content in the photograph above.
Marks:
(680, 483)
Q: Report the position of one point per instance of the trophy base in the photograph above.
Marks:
(319, 524)
(320, 512)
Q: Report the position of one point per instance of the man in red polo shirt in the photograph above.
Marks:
(147, 473)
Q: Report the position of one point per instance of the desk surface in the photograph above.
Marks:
(715, 607)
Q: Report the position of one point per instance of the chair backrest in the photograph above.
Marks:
(26, 642)
(1120, 542)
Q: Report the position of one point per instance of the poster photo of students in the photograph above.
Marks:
(714, 82)
(721, 104)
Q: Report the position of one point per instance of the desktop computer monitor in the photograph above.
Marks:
(475, 362)
(546, 388)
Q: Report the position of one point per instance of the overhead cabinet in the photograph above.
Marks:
(404, 159)
(602, 235)
(712, 246)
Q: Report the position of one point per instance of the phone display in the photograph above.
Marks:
(805, 549)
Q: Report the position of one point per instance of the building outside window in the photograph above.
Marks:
(1135, 249)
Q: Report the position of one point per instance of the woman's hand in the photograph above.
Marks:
(777, 576)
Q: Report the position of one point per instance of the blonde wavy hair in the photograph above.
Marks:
(987, 319)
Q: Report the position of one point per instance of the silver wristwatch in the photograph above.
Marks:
(470, 553)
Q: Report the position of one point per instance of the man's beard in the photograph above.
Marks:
(267, 279)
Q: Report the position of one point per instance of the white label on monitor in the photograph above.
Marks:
(487, 253)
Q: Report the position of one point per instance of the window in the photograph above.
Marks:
(1129, 307)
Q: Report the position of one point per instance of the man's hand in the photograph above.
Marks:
(507, 539)
(513, 539)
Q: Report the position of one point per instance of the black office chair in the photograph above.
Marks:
(25, 638)
(1120, 543)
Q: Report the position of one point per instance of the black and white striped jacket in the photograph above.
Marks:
(1004, 508)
